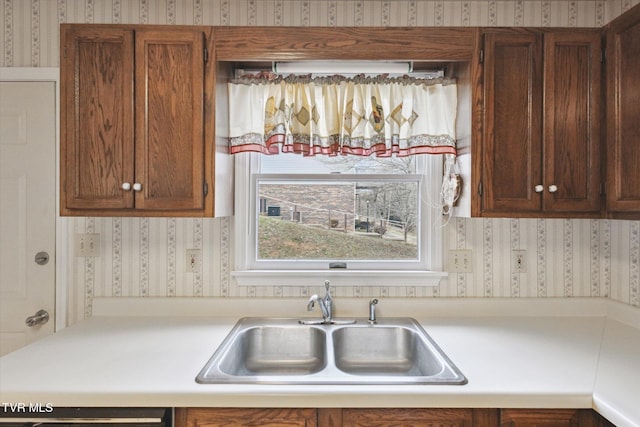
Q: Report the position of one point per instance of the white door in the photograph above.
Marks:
(27, 211)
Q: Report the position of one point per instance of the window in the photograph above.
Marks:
(352, 219)
(343, 207)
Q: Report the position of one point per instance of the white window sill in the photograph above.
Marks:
(338, 277)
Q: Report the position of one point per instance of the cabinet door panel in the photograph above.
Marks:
(407, 417)
(169, 127)
(512, 122)
(623, 110)
(97, 149)
(572, 98)
(246, 417)
(548, 418)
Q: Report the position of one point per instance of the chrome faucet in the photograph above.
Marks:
(325, 303)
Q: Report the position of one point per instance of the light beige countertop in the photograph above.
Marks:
(551, 353)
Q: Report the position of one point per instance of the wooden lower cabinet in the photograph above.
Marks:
(552, 418)
(387, 417)
(246, 417)
(414, 417)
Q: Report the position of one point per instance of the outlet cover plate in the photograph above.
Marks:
(194, 260)
(519, 261)
(87, 245)
(460, 261)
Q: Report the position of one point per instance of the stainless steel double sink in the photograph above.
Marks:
(285, 351)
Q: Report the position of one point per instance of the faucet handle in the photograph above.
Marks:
(327, 285)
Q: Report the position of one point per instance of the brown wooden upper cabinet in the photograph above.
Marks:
(623, 115)
(539, 154)
(133, 121)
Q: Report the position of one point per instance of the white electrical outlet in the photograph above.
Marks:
(194, 260)
(460, 261)
(519, 261)
(87, 245)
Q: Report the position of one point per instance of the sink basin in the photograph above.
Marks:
(283, 351)
(384, 350)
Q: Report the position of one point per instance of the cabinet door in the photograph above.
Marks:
(511, 140)
(245, 417)
(97, 121)
(572, 117)
(623, 111)
(414, 417)
(548, 418)
(169, 119)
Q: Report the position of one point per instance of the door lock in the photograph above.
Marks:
(42, 258)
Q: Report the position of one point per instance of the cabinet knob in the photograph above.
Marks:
(137, 187)
(539, 188)
(126, 186)
(553, 188)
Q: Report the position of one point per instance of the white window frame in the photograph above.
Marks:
(427, 271)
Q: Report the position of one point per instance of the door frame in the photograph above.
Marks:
(51, 74)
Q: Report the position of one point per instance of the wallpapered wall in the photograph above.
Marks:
(29, 35)
(146, 256)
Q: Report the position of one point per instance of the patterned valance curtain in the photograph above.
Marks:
(338, 115)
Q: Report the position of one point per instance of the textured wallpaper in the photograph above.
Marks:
(564, 258)
(146, 256)
(29, 35)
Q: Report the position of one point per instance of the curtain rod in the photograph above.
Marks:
(342, 67)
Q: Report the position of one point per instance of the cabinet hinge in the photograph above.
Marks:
(206, 54)
(206, 189)
(480, 188)
(481, 56)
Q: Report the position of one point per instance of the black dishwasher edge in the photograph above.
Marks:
(46, 415)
